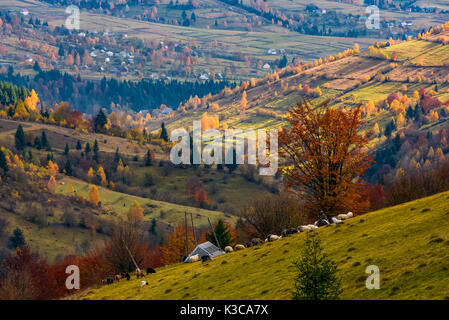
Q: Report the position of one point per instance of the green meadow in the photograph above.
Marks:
(409, 243)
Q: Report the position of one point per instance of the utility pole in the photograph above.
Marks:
(193, 229)
(130, 254)
(187, 234)
(213, 231)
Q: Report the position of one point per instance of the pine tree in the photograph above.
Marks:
(117, 156)
(96, 149)
(148, 159)
(19, 137)
(68, 168)
(316, 278)
(232, 166)
(87, 149)
(37, 143)
(100, 121)
(44, 141)
(283, 62)
(17, 239)
(3, 162)
(153, 226)
(61, 51)
(66, 149)
(223, 235)
(164, 134)
(78, 145)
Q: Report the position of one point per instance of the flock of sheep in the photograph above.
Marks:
(127, 276)
(228, 249)
(272, 237)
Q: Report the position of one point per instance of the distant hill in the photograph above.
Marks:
(409, 243)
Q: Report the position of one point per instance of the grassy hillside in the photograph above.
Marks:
(119, 203)
(54, 240)
(409, 243)
(60, 136)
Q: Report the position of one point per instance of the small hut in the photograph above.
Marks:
(205, 249)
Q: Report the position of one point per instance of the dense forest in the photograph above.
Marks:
(54, 86)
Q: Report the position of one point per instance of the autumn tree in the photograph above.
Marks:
(101, 176)
(324, 158)
(244, 101)
(176, 246)
(94, 196)
(26, 276)
(135, 212)
(52, 168)
(51, 185)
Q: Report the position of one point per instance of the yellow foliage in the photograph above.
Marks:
(51, 185)
(211, 122)
(52, 168)
(135, 212)
(376, 129)
(94, 196)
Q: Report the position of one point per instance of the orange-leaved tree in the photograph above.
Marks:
(176, 246)
(94, 196)
(324, 158)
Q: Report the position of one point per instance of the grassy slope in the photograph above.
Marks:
(53, 240)
(120, 203)
(407, 242)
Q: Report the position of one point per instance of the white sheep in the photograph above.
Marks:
(342, 216)
(194, 258)
(336, 221)
(228, 249)
(312, 226)
(239, 247)
(143, 283)
(303, 228)
(349, 214)
(273, 237)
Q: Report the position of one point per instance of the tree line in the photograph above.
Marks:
(54, 86)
